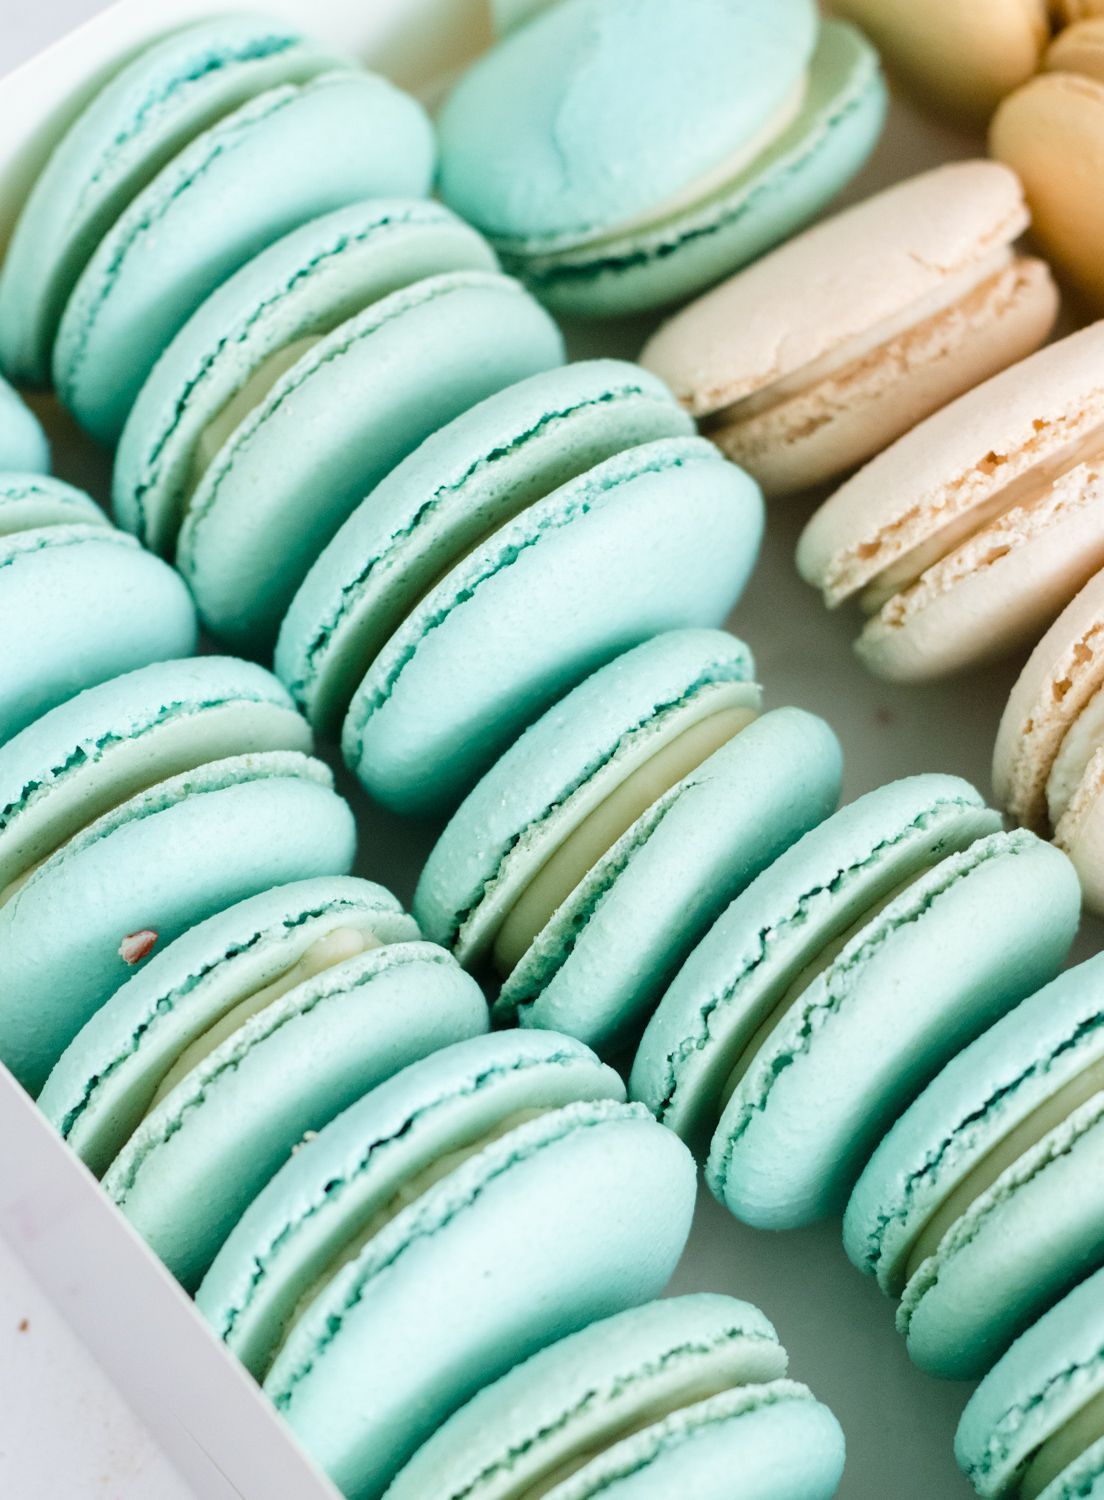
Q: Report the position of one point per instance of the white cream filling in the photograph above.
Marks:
(576, 855)
(1083, 738)
(953, 291)
(1054, 1456)
(1019, 1140)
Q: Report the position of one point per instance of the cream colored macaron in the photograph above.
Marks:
(1051, 132)
(1048, 764)
(818, 356)
(959, 55)
(968, 535)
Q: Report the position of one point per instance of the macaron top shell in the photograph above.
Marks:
(978, 1099)
(479, 471)
(578, 1396)
(30, 500)
(298, 289)
(534, 138)
(23, 445)
(1050, 1373)
(104, 1081)
(131, 129)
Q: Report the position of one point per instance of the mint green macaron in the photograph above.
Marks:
(23, 445)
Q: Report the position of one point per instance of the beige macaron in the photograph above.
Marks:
(957, 55)
(1051, 132)
(819, 355)
(967, 536)
(1048, 764)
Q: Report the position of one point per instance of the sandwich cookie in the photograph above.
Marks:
(838, 984)
(484, 1202)
(983, 1204)
(189, 1089)
(681, 1397)
(976, 528)
(819, 356)
(1048, 764)
(1034, 1427)
(586, 863)
(290, 152)
(1051, 131)
(267, 502)
(621, 157)
(82, 600)
(131, 813)
(23, 445)
(252, 330)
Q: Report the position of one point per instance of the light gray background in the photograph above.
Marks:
(63, 1432)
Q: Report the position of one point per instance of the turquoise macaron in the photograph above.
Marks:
(23, 445)
(1034, 1428)
(659, 537)
(484, 1202)
(83, 600)
(587, 862)
(465, 481)
(624, 154)
(982, 1205)
(135, 810)
(254, 328)
(681, 1397)
(325, 136)
(367, 393)
(835, 987)
(190, 1088)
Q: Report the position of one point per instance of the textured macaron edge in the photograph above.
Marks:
(62, 504)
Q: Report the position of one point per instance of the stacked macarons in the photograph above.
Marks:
(622, 157)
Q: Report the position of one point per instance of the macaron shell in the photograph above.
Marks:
(534, 138)
(474, 474)
(199, 1158)
(270, 502)
(868, 1034)
(601, 963)
(89, 604)
(656, 265)
(285, 157)
(659, 538)
(132, 127)
(29, 501)
(105, 1079)
(23, 445)
(301, 287)
(461, 1287)
(165, 860)
(1020, 1246)
(782, 923)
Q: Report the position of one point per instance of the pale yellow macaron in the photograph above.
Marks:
(1051, 132)
(819, 355)
(1048, 764)
(966, 537)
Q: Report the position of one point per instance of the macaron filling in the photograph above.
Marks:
(1071, 765)
(685, 739)
(1063, 1448)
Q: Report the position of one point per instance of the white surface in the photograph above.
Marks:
(63, 1433)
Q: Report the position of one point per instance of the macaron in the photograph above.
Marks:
(839, 983)
(1033, 1427)
(589, 859)
(134, 202)
(1051, 131)
(823, 353)
(681, 1397)
(130, 813)
(483, 1203)
(368, 393)
(1048, 765)
(253, 329)
(982, 1205)
(958, 59)
(970, 533)
(189, 1089)
(23, 445)
(624, 156)
(83, 601)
